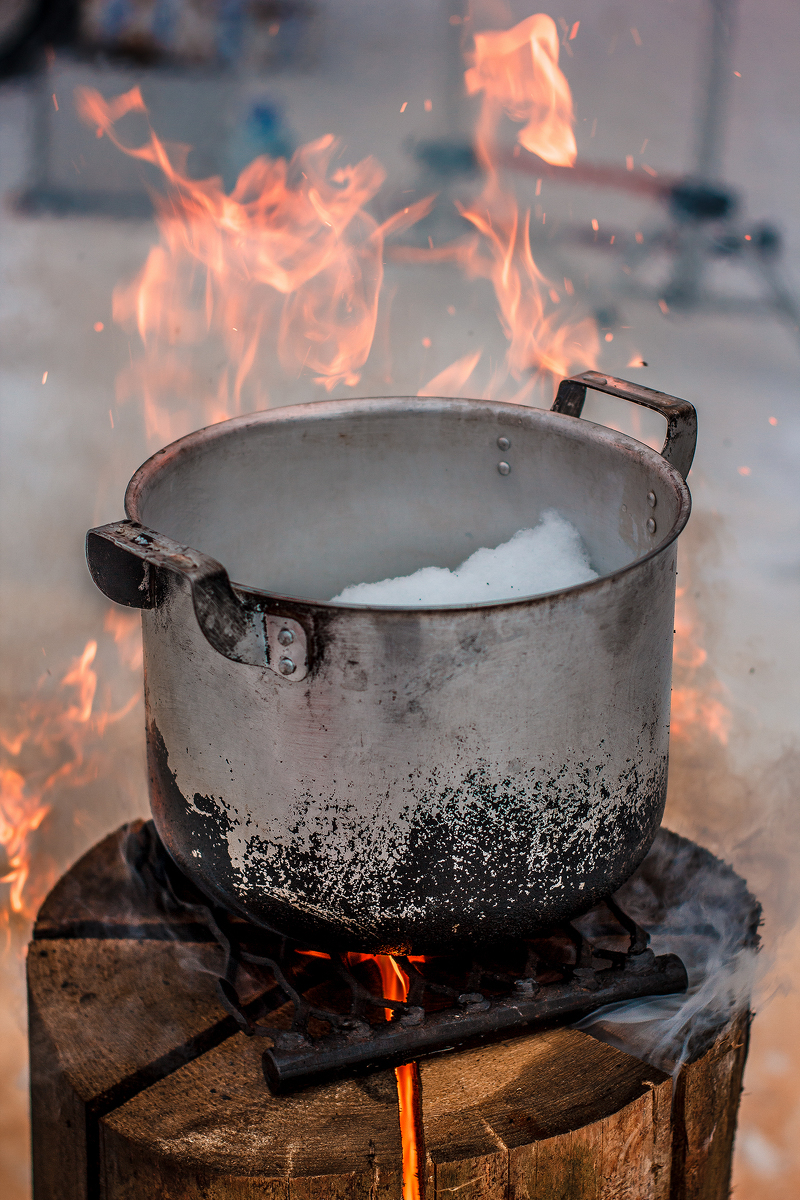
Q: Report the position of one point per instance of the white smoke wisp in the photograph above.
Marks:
(693, 905)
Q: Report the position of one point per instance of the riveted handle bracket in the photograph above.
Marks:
(131, 565)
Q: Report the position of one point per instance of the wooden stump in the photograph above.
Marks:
(143, 1088)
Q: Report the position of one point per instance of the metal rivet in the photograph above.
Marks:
(651, 525)
(503, 443)
(286, 666)
(651, 499)
(504, 468)
(285, 637)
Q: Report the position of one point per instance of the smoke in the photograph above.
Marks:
(695, 906)
(745, 813)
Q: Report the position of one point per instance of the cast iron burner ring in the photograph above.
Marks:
(339, 1026)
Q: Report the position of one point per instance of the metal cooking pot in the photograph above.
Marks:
(397, 779)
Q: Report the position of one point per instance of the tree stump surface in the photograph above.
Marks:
(143, 1088)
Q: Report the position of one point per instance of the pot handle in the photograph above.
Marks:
(131, 565)
(681, 439)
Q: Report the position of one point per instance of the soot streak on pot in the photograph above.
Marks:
(309, 886)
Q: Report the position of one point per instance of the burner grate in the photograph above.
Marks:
(339, 1025)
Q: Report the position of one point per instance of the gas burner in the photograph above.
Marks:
(339, 1026)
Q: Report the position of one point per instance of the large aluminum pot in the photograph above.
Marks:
(403, 779)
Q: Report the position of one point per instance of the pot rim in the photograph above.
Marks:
(331, 409)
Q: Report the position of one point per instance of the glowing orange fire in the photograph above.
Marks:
(696, 707)
(517, 75)
(48, 749)
(292, 258)
(517, 71)
(291, 254)
(395, 987)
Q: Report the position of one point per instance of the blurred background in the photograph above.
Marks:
(668, 254)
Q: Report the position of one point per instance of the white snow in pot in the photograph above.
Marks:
(545, 559)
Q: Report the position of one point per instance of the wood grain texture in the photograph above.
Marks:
(708, 1094)
(214, 1122)
(143, 1089)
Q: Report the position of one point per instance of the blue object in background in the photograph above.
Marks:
(231, 18)
(263, 130)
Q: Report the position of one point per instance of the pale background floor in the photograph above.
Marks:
(64, 467)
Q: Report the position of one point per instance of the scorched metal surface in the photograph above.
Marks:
(397, 780)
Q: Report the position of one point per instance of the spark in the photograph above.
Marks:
(629, 161)
(404, 106)
(609, 337)
(428, 105)
(538, 187)
(644, 145)
(573, 33)
(98, 327)
(55, 102)
(44, 377)
(595, 224)
(426, 341)
(744, 470)
(650, 170)
(111, 418)
(636, 36)
(662, 304)
(773, 420)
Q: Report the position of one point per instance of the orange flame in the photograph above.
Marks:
(49, 748)
(395, 987)
(517, 72)
(125, 627)
(695, 707)
(20, 816)
(292, 258)
(291, 250)
(451, 380)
